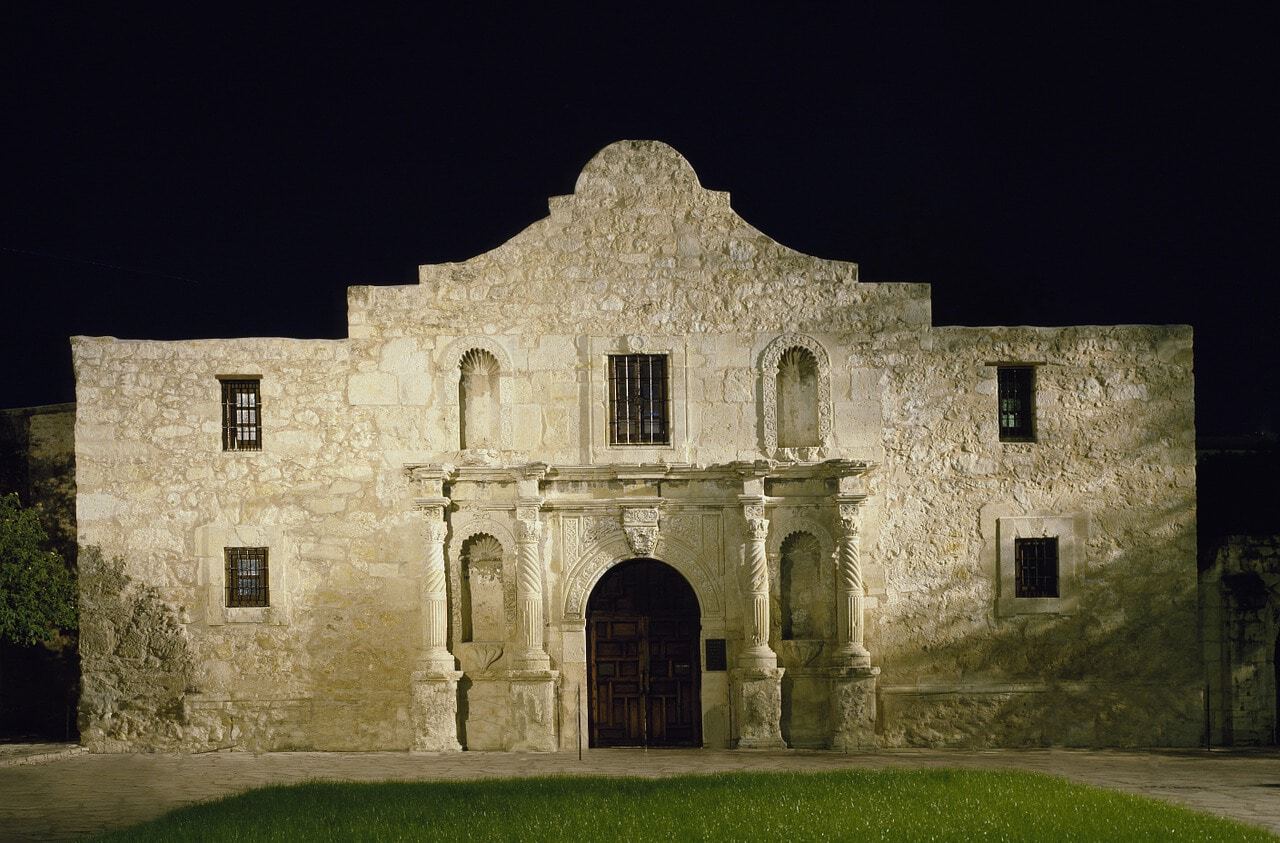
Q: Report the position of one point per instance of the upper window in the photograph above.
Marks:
(241, 415)
(1017, 403)
(638, 398)
(247, 583)
(1036, 567)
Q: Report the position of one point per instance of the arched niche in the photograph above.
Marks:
(479, 409)
(803, 593)
(795, 386)
(481, 605)
(477, 394)
(471, 531)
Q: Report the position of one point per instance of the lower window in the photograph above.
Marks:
(247, 580)
(1036, 567)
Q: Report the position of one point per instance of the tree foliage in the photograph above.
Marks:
(37, 593)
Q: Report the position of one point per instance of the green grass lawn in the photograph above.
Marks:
(855, 805)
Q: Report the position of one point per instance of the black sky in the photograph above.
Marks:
(172, 175)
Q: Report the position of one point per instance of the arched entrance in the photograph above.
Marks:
(643, 671)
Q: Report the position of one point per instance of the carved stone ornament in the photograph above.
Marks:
(849, 520)
(758, 528)
(528, 530)
(640, 516)
(436, 531)
(769, 361)
(753, 510)
(643, 540)
(430, 512)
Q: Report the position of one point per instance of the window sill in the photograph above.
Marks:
(1012, 606)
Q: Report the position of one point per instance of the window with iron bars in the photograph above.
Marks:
(241, 415)
(1016, 388)
(1036, 567)
(638, 400)
(247, 582)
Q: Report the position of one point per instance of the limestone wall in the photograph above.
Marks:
(1115, 458)
(641, 259)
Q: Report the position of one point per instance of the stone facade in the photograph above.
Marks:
(439, 495)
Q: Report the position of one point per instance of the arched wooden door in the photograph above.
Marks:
(643, 670)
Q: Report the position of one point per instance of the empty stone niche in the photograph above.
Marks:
(805, 599)
(479, 408)
(481, 590)
(798, 399)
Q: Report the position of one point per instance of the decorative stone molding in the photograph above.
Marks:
(769, 360)
(450, 363)
(598, 559)
(640, 524)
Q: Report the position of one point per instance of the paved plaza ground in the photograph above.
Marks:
(56, 792)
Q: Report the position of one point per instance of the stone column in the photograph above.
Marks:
(853, 679)
(532, 723)
(435, 682)
(757, 653)
(530, 655)
(850, 650)
(757, 681)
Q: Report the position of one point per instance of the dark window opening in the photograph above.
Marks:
(1036, 567)
(1017, 403)
(241, 416)
(638, 400)
(247, 577)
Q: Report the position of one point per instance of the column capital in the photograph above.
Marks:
(431, 509)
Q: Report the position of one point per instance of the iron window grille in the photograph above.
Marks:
(638, 400)
(1036, 567)
(1016, 388)
(247, 581)
(241, 415)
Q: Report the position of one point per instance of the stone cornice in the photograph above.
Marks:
(837, 469)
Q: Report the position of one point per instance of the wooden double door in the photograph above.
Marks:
(643, 667)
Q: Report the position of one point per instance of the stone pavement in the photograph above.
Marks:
(78, 794)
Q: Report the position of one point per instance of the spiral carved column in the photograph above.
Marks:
(434, 689)
(531, 654)
(757, 653)
(757, 681)
(435, 599)
(850, 649)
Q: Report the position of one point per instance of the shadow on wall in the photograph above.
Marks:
(1123, 670)
(136, 662)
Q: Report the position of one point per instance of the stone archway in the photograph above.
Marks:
(643, 666)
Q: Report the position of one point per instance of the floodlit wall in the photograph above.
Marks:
(642, 260)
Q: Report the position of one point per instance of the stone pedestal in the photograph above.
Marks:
(533, 710)
(853, 708)
(435, 711)
(757, 707)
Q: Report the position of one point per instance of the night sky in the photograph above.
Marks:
(168, 175)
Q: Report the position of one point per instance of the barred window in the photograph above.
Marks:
(1036, 567)
(241, 415)
(1016, 387)
(247, 581)
(638, 396)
